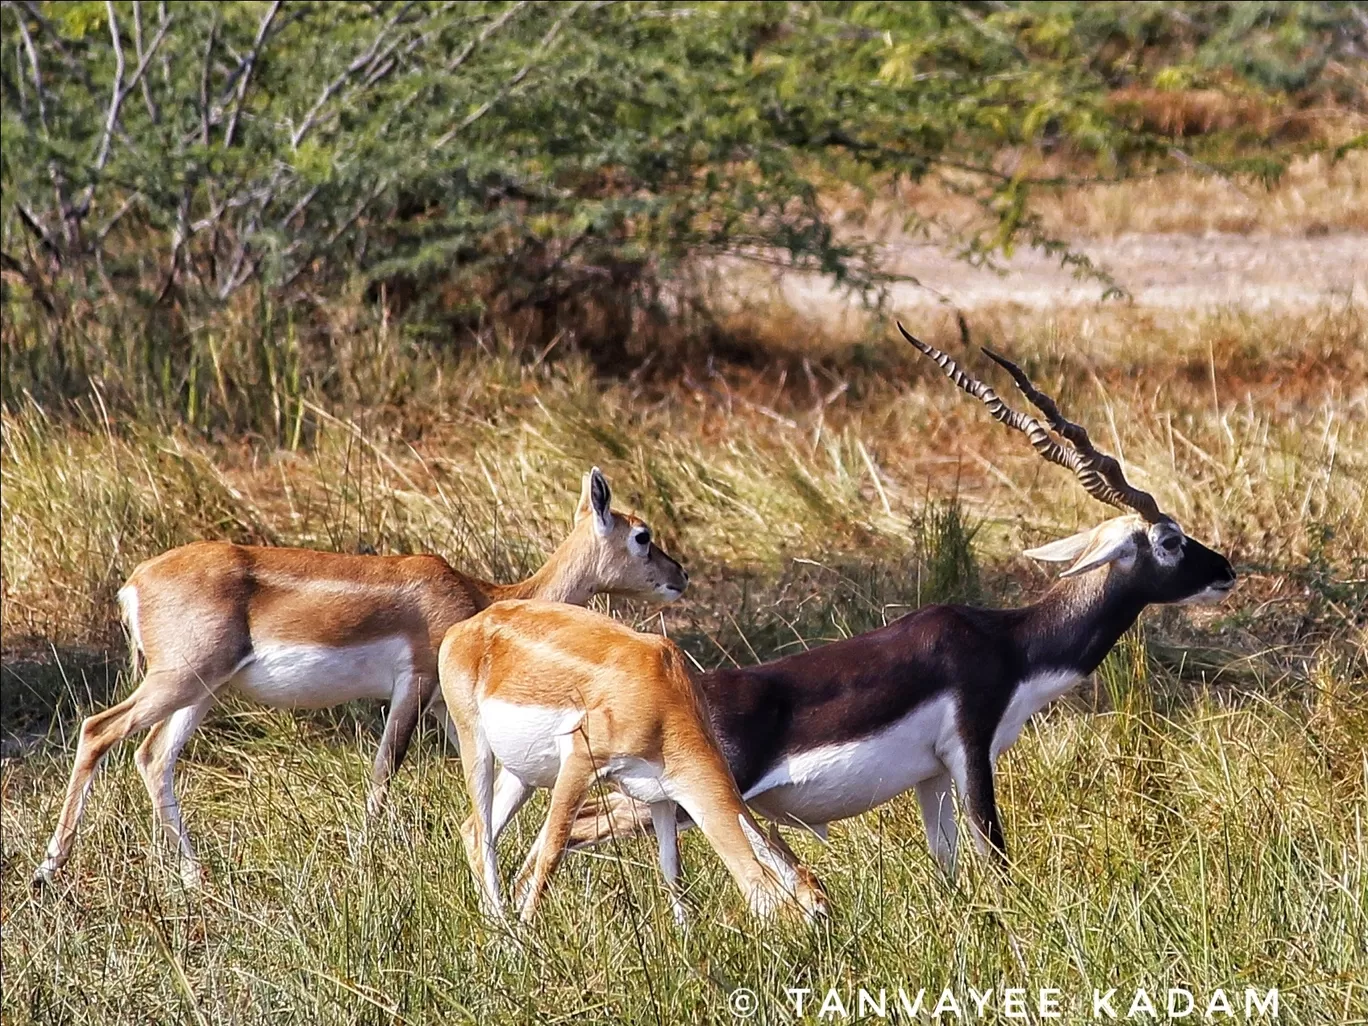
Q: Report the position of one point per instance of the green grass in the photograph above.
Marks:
(1219, 843)
(1194, 817)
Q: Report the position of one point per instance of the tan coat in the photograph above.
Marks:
(562, 697)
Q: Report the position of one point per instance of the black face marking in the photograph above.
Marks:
(1195, 569)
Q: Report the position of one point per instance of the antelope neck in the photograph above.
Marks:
(1077, 622)
(551, 583)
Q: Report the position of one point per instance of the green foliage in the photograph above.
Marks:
(491, 158)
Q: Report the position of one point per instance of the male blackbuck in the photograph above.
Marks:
(294, 628)
(937, 695)
(563, 697)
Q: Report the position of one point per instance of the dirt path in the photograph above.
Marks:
(1172, 271)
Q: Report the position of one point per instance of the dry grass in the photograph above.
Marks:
(1316, 195)
(1197, 819)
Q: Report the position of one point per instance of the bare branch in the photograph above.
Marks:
(249, 64)
(489, 30)
(342, 228)
(121, 89)
(54, 171)
(384, 64)
(31, 222)
(73, 63)
(298, 208)
(165, 64)
(30, 277)
(127, 205)
(361, 62)
(516, 80)
(75, 213)
(116, 93)
(204, 80)
(21, 95)
(151, 105)
(37, 75)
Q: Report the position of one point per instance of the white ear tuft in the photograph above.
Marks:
(1109, 547)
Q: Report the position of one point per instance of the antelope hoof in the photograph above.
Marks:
(681, 917)
(44, 876)
(193, 876)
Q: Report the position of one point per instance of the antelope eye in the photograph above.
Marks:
(1172, 543)
(642, 538)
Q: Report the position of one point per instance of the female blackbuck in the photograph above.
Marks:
(293, 628)
(563, 697)
(937, 695)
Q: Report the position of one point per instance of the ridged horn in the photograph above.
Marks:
(1099, 474)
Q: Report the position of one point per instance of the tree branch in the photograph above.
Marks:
(73, 63)
(364, 60)
(127, 205)
(151, 105)
(249, 64)
(488, 31)
(121, 90)
(512, 83)
(204, 79)
(30, 277)
(116, 94)
(37, 75)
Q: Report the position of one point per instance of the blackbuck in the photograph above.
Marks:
(294, 628)
(936, 696)
(564, 697)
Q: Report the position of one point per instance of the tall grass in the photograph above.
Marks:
(1215, 845)
(1195, 819)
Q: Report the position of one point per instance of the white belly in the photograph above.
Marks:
(288, 675)
(842, 780)
(529, 740)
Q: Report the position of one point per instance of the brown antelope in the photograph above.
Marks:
(936, 696)
(563, 697)
(294, 628)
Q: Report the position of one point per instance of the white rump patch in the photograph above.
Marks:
(128, 605)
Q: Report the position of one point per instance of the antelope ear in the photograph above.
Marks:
(1065, 550)
(596, 500)
(1089, 549)
(1108, 548)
